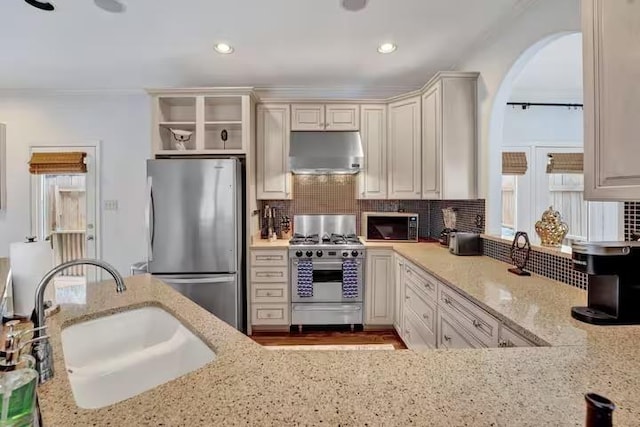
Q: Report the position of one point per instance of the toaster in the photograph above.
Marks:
(465, 243)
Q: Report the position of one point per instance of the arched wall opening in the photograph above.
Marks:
(496, 130)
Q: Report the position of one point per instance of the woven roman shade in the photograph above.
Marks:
(514, 163)
(57, 163)
(565, 163)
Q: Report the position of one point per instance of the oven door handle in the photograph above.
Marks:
(325, 308)
(322, 265)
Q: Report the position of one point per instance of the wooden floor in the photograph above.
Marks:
(329, 337)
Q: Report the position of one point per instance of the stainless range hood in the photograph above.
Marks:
(315, 153)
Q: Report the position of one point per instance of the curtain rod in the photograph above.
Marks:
(526, 105)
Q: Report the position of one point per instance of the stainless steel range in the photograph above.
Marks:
(327, 271)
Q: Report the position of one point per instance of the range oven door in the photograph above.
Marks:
(327, 282)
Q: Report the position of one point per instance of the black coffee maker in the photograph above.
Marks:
(613, 279)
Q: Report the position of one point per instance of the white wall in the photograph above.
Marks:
(542, 125)
(121, 122)
(501, 59)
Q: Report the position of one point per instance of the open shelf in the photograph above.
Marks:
(177, 109)
(223, 109)
(216, 119)
(213, 136)
(168, 142)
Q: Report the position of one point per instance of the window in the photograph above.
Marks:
(509, 183)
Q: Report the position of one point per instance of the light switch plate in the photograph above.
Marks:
(110, 205)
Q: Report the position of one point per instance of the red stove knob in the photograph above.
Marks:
(354, 253)
(299, 254)
(345, 254)
(309, 254)
(319, 254)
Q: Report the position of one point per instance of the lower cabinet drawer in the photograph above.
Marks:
(269, 258)
(509, 338)
(478, 322)
(269, 293)
(452, 335)
(423, 280)
(269, 274)
(422, 308)
(415, 334)
(270, 314)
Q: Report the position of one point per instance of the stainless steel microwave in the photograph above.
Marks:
(390, 226)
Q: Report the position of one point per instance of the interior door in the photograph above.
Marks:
(65, 209)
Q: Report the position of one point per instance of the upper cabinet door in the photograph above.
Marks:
(273, 179)
(611, 35)
(342, 117)
(372, 179)
(431, 142)
(404, 171)
(307, 117)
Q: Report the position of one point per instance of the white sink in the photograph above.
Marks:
(116, 357)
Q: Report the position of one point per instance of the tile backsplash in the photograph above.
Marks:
(556, 267)
(336, 194)
(631, 219)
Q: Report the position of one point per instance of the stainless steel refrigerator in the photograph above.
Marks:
(194, 232)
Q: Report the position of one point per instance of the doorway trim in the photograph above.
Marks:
(33, 190)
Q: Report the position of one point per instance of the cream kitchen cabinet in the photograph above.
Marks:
(321, 117)
(510, 338)
(611, 34)
(404, 148)
(449, 136)
(398, 271)
(269, 296)
(431, 314)
(372, 179)
(218, 121)
(379, 291)
(273, 128)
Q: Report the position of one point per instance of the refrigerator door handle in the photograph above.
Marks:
(149, 222)
(199, 280)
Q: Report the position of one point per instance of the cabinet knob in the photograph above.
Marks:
(268, 314)
(408, 332)
(425, 316)
(447, 300)
(447, 338)
(476, 323)
(407, 297)
(268, 294)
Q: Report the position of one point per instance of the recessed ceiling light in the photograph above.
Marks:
(354, 5)
(387, 48)
(223, 48)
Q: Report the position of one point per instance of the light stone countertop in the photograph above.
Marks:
(248, 385)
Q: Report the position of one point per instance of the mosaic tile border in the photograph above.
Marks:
(631, 219)
(554, 267)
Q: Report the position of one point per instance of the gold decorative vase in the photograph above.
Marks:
(551, 229)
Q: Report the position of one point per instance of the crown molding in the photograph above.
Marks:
(76, 92)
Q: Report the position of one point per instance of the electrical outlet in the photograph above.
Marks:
(110, 205)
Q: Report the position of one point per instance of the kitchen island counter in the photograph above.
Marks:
(249, 385)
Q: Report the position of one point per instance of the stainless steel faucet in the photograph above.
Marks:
(42, 349)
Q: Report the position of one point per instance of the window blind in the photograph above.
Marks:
(565, 163)
(57, 163)
(514, 163)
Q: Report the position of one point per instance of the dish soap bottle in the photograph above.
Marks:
(18, 382)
